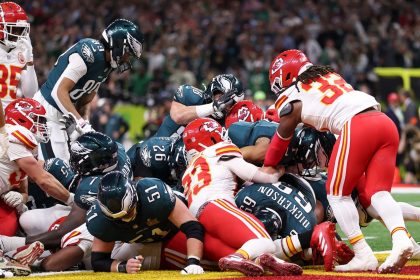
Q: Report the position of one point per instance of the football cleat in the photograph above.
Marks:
(277, 266)
(236, 263)
(28, 254)
(13, 266)
(323, 243)
(401, 252)
(416, 251)
(5, 274)
(344, 253)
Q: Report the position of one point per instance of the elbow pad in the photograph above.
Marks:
(193, 229)
(101, 261)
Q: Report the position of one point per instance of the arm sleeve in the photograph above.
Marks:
(249, 172)
(29, 82)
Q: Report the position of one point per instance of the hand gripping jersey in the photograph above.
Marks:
(11, 66)
(188, 96)
(327, 103)
(156, 202)
(294, 203)
(206, 179)
(22, 143)
(93, 54)
(245, 134)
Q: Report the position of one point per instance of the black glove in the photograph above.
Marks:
(225, 101)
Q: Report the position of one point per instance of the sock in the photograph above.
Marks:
(287, 247)
(9, 243)
(390, 213)
(255, 247)
(410, 212)
(347, 217)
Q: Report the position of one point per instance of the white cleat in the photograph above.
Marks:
(366, 262)
(5, 274)
(416, 251)
(399, 256)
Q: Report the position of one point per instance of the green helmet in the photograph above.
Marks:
(120, 37)
(117, 197)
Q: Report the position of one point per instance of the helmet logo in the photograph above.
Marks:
(243, 113)
(210, 126)
(277, 64)
(135, 45)
(23, 106)
(78, 148)
(87, 53)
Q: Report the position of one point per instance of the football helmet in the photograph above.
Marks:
(13, 24)
(244, 110)
(202, 133)
(93, 153)
(225, 84)
(60, 170)
(178, 161)
(29, 114)
(285, 68)
(271, 220)
(122, 37)
(327, 141)
(117, 197)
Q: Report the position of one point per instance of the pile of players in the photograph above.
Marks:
(222, 185)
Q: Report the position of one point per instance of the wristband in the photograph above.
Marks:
(204, 110)
(193, 260)
(276, 150)
(70, 200)
(122, 267)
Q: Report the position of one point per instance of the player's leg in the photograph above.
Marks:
(8, 220)
(348, 162)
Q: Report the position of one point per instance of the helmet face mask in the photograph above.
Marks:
(13, 24)
(124, 40)
(271, 220)
(117, 197)
(29, 114)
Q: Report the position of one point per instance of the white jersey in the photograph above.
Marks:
(206, 179)
(327, 103)
(22, 143)
(11, 66)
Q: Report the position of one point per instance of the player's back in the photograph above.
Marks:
(328, 102)
(245, 134)
(207, 179)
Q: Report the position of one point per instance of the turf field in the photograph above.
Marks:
(376, 234)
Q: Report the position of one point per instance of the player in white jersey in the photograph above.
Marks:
(210, 182)
(16, 59)
(367, 144)
(26, 127)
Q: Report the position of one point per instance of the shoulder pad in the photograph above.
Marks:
(86, 51)
(189, 95)
(21, 135)
(230, 150)
(286, 110)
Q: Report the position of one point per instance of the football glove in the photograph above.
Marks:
(75, 127)
(12, 198)
(25, 45)
(225, 101)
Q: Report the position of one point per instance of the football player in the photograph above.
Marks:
(92, 154)
(16, 57)
(191, 103)
(77, 76)
(210, 183)
(159, 157)
(26, 127)
(367, 143)
(142, 212)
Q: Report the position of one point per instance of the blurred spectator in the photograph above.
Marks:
(116, 127)
(394, 111)
(410, 148)
(411, 113)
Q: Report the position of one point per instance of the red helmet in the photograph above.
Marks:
(285, 68)
(30, 114)
(202, 133)
(244, 110)
(13, 23)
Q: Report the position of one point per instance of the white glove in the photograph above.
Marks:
(192, 269)
(70, 200)
(12, 198)
(25, 45)
(4, 141)
(75, 127)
